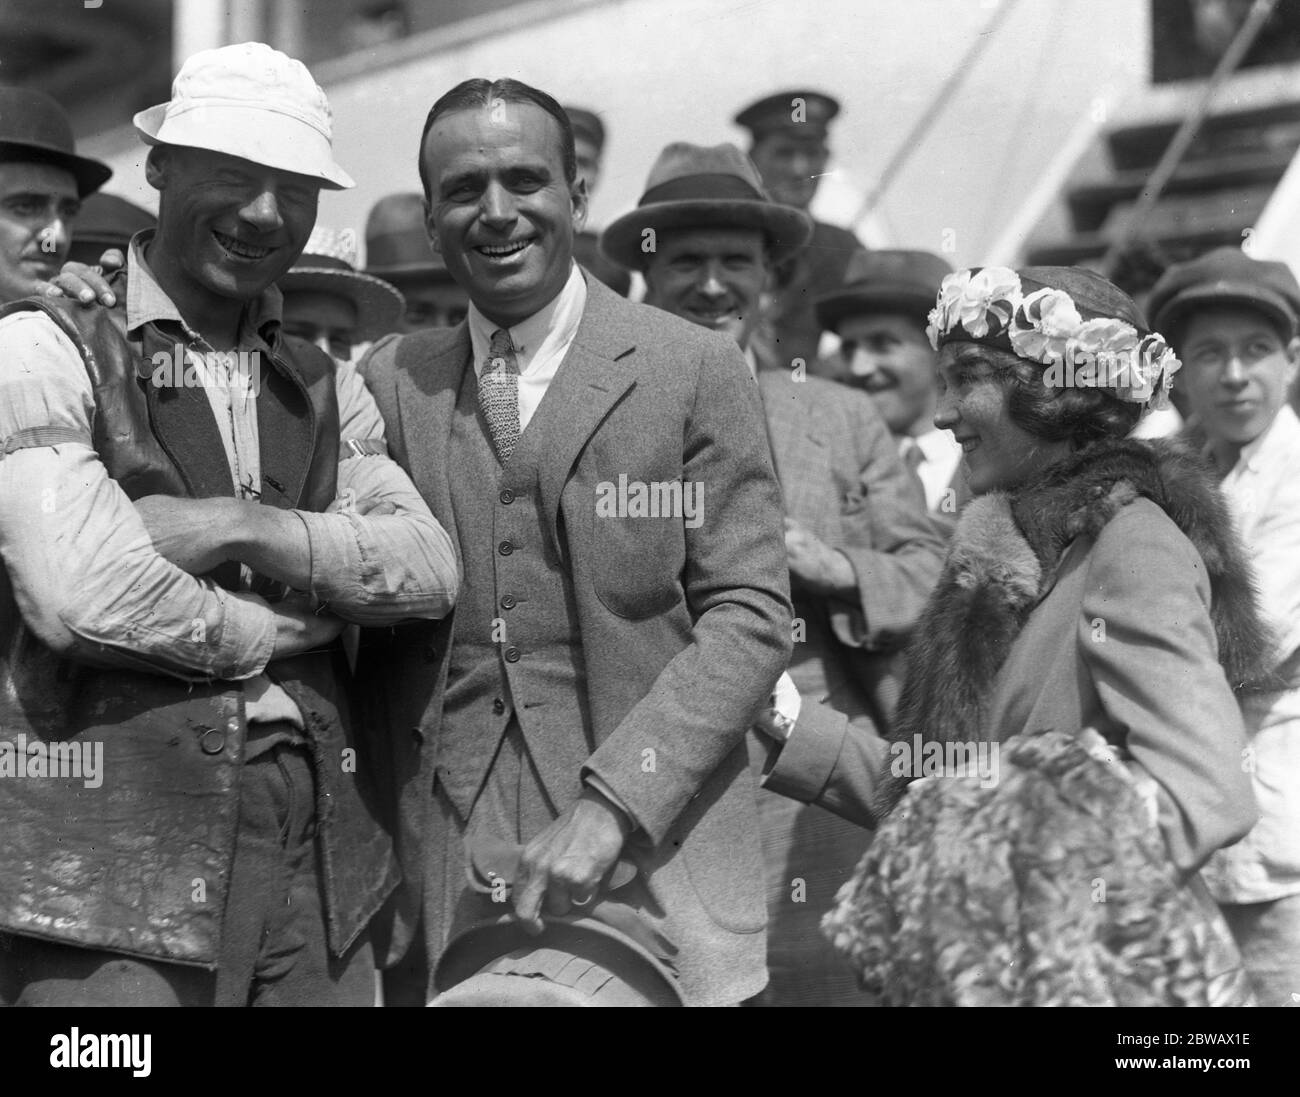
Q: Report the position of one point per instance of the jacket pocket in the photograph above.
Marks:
(639, 533)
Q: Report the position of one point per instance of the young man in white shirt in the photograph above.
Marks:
(1233, 322)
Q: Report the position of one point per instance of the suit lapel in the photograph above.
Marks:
(799, 452)
(590, 381)
(427, 388)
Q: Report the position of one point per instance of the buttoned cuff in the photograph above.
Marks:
(801, 767)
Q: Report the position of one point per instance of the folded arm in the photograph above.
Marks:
(85, 574)
(377, 557)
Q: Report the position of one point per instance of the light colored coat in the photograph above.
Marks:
(684, 630)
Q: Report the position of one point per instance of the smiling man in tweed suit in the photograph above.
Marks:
(588, 700)
(861, 553)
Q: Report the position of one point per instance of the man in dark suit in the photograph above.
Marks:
(790, 148)
(588, 701)
(880, 315)
(861, 553)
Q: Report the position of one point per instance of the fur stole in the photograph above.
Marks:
(1004, 553)
(988, 894)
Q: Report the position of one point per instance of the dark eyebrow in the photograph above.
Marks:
(461, 179)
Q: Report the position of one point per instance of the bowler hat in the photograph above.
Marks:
(1225, 276)
(575, 961)
(397, 242)
(34, 128)
(328, 265)
(106, 221)
(803, 113)
(884, 281)
(253, 102)
(587, 124)
(694, 186)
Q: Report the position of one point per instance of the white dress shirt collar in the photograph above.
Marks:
(540, 336)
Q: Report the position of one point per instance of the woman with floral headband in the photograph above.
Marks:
(1067, 750)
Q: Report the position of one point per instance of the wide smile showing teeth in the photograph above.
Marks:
(502, 251)
(239, 249)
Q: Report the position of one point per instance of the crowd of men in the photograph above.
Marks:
(379, 678)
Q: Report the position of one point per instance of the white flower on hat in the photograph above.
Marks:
(989, 300)
(1111, 347)
(1043, 324)
(1158, 364)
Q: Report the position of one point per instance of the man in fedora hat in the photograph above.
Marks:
(880, 315)
(42, 184)
(329, 303)
(589, 146)
(588, 704)
(862, 555)
(192, 505)
(1234, 322)
(789, 146)
(397, 250)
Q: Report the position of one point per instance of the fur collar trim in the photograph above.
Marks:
(1003, 560)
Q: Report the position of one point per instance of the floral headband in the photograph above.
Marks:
(988, 305)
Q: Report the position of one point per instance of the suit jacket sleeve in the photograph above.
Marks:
(737, 591)
(895, 548)
(1149, 644)
(830, 761)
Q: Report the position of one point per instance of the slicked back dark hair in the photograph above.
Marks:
(478, 92)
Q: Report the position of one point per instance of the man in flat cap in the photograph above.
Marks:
(1233, 322)
(589, 146)
(397, 251)
(861, 553)
(788, 144)
(880, 314)
(42, 184)
(192, 505)
(577, 734)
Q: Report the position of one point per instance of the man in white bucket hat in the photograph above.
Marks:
(192, 505)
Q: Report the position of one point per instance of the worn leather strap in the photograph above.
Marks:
(37, 437)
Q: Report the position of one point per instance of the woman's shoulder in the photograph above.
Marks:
(1142, 545)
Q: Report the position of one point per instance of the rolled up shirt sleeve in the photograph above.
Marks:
(376, 569)
(84, 571)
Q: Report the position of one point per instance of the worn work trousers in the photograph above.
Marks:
(273, 949)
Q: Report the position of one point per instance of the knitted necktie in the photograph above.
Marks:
(498, 393)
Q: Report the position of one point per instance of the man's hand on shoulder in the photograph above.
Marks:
(85, 284)
(564, 865)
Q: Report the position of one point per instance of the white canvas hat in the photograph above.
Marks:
(253, 102)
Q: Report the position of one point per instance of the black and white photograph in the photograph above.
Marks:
(673, 503)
